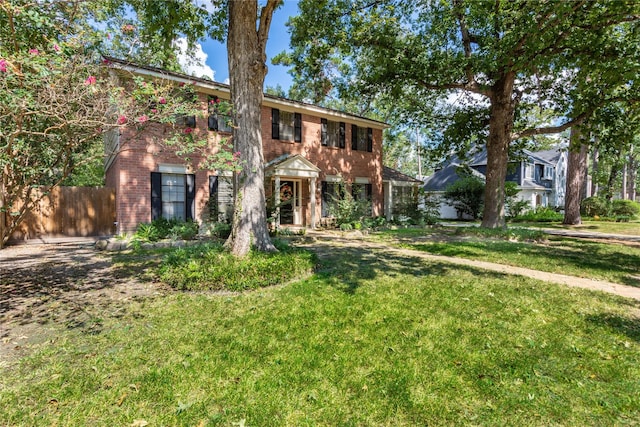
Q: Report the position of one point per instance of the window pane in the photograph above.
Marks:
(286, 125)
(173, 196)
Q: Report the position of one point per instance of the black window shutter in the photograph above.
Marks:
(323, 133)
(190, 121)
(342, 135)
(156, 195)
(275, 123)
(191, 196)
(213, 122)
(369, 140)
(354, 137)
(368, 191)
(213, 186)
(297, 127)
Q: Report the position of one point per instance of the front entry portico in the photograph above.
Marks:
(291, 177)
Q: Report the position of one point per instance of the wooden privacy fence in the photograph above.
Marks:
(70, 212)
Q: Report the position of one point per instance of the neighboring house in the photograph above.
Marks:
(309, 152)
(541, 177)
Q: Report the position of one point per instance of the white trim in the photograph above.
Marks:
(268, 101)
(333, 178)
(168, 168)
(402, 183)
(361, 180)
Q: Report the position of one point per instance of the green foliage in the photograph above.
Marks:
(601, 207)
(540, 214)
(513, 205)
(411, 52)
(210, 267)
(594, 206)
(466, 195)
(162, 228)
(348, 210)
(628, 208)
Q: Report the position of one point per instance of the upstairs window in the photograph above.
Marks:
(361, 138)
(218, 121)
(333, 133)
(548, 172)
(286, 126)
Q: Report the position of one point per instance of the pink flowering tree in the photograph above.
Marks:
(59, 98)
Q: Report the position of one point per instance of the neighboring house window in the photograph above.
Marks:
(286, 126)
(529, 170)
(548, 172)
(361, 138)
(172, 196)
(331, 192)
(217, 121)
(333, 133)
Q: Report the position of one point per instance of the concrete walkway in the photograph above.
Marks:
(355, 241)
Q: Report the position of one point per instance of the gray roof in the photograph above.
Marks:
(389, 174)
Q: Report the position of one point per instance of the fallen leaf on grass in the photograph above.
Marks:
(122, 398)
(139, 423)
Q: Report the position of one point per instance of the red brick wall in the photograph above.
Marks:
(130, 173)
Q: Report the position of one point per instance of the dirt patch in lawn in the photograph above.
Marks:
(47, 287)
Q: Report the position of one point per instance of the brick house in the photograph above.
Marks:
(311, 154)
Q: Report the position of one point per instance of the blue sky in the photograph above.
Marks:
(278, 41)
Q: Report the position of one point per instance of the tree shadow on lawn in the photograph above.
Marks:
(580, 254)
(70, 284)
(348, 267)
(630, 327)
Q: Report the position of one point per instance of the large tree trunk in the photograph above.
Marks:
(500, 126)
(576, 167)
(247, 70)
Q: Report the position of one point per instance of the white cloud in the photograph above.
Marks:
(193, 63)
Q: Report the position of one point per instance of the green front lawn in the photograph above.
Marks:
(631, 228)
(368, 340)
(576, 257)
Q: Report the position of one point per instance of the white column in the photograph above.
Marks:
(388, 203)
(277, 201)
(312, 192)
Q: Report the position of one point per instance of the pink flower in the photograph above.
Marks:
(217, 100)
(34, 51)
(237, 154)
(188, 130)
(90, 81)
(56, 48)
(181, 84)
(154, 111)
(162, 100)
(122, 120)
(3, 65)
(143, 118)
(106, 61)
(108, 36)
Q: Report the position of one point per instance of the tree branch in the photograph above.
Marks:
(550, 129)
(466, 40)
(266, 15)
